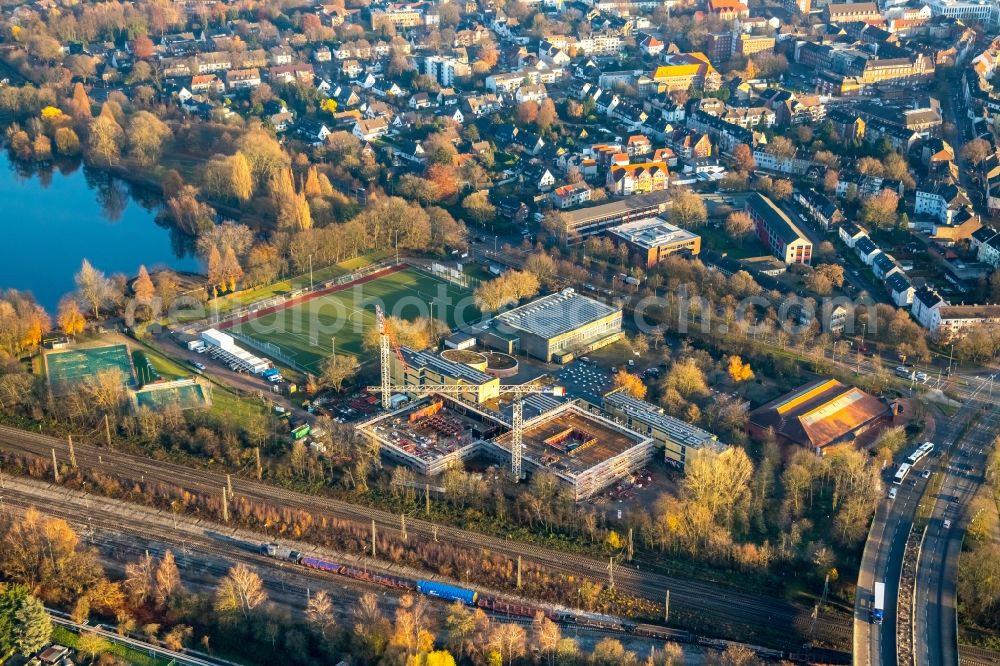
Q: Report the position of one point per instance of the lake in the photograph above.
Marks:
(54, 216)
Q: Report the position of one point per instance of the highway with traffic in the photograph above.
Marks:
(953, 474)
(937, 568)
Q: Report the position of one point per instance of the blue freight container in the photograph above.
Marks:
(450, 592)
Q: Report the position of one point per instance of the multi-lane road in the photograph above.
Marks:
(957, 479)
(937, 567)
(882, 561)
(962, 449)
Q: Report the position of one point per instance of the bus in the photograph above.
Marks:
(301, 432)
(922, 451)
(901, 473)
(878, 608)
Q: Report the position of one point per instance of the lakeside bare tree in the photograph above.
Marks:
(92, 287)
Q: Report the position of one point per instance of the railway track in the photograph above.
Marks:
(970, 655)
(713, 602)
(210, 548)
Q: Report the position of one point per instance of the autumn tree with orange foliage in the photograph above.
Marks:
(630, 384)
(45, 554)
(743, 158)
(143, 287)
(143, 47)
(79, 105)
(547, 115)
(738, 370)
(71, 320)
(22, 322)
(527, 112)
(445, 180)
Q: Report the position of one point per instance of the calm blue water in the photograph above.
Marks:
(53, 217)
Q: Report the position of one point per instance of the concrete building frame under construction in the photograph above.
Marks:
(677, 437)
(586, 452)
(434, 433)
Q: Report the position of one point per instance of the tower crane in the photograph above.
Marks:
(389, 345)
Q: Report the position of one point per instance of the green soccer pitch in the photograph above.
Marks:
(308, 332)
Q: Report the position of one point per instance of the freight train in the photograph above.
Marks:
(504, 607)
(454, 593)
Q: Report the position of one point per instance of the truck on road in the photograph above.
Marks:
(878, 608)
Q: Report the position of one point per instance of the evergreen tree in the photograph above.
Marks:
(34, 626)
(25, 625)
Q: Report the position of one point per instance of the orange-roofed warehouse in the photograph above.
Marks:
(820, 414)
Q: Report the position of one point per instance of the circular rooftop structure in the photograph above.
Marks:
(500, 365)
(473, 359)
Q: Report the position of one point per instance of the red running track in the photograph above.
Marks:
(304, 298)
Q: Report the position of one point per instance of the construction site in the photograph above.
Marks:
(432, 434)
(587, 452)
(459, 411)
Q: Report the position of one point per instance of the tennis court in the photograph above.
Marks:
(184, 394)
(308, 332)
(65, 369)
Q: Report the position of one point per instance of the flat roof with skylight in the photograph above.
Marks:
(556, 314)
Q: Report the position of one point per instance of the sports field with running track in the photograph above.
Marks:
(306, 332)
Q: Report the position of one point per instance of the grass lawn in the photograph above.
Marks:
(63, 636)
(718, 240)
(307, 332)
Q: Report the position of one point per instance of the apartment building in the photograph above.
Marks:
(852, 12)
(637, 178)
(986, 12)
(243, 79)
(571, 195)
(777, 231)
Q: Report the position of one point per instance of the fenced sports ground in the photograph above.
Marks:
(66, 369)
(183, 394)
(307, 331)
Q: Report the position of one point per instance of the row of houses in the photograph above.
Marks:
(883, 266)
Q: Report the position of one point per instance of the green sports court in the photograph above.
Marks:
(65, 369)
(183, 395)
(307, 332)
